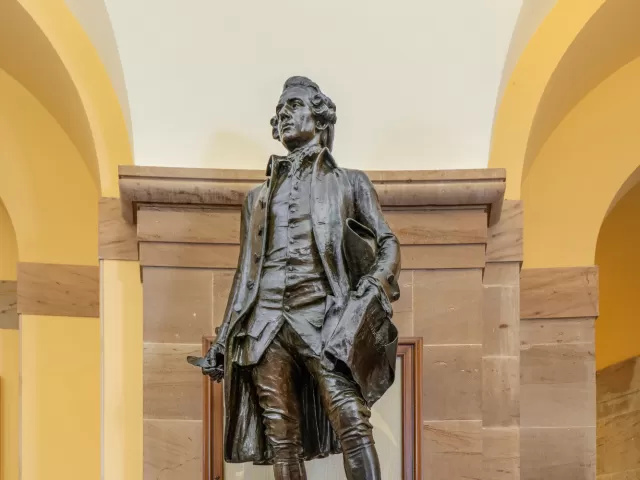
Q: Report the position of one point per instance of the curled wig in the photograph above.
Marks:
(322, 108)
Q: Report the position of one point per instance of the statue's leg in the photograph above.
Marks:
(274, 378)
(349, 416)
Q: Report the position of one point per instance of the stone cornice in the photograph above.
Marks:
(482, 188)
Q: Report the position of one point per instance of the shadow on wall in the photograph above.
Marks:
(618, 258)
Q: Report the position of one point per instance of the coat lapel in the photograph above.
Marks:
(329, 204)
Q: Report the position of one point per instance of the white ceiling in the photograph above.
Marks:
(415, 82)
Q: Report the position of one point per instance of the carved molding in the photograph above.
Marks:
(218, 187)
(59, 290)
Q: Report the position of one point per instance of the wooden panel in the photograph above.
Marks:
(222, 225)
(189, 225)
(172, 450)
(618, 388)
(558, 453)
(157, 254)
(452, 450)
(559, 292)
(557, 331)
(188, 255)
(8, 305)
(222, 281)
(501, 453)
(58, 290)
(557, 385)
(448, 306)
(178, 304)
(500, 391)
(454, 373)
(116, 237)
(618, 440)
(502, 273)
(501, 317)
(505, 237)
(172, 387)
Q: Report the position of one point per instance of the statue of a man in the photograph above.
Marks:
(306, 345)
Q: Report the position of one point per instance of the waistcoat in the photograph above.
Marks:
(293, 286)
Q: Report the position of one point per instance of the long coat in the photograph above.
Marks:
(336, 195)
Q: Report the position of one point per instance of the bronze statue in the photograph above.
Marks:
(307, 345)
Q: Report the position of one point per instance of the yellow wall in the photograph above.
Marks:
(49, 193)
(99, 100)
(9, 403)
(8, 246)
(517, 111)
(579, 170)
(45, 185)
(9, 361)
(121, 314)
(618, 256)
(60, 369)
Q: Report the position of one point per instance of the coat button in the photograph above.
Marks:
(237, 307)
(260, 231)
(287, 308)
(250, 284)
(256, 258)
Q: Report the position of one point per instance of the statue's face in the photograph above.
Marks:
(296, 124)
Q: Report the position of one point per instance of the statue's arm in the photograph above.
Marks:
(386, 269)
(245, 216)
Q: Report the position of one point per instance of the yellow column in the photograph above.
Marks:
(9, 402)
(60, 367)
(9, 352)
(121, 314)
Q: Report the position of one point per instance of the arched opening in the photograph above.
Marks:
(563, 62)
(66, 75)
(566, 131)
(618, 258)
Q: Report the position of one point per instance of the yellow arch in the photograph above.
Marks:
(525, 88)
(78, 91)
(580, 170)
(45, 184)
(52, 202)
(567, 179)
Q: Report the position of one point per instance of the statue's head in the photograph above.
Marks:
(304, 115)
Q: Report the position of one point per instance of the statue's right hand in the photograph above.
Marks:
(215, 359)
